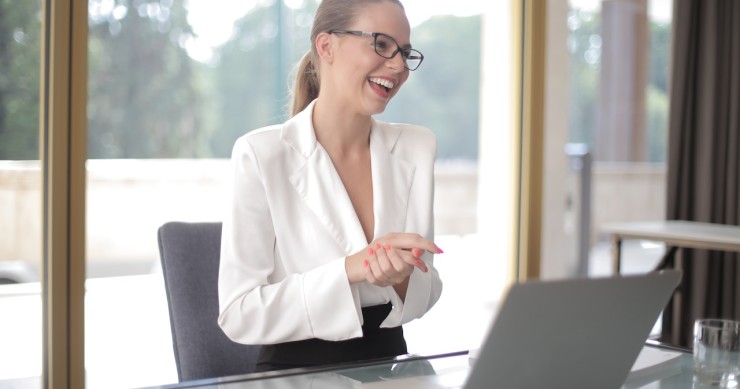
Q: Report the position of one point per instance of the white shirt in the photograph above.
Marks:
(290, 224)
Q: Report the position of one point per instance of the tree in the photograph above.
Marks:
(142, 85)
(443, 94)
(253, 78)
(20, 53)
(585, 45)
(250, 86)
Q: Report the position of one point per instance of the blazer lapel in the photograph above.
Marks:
(392, 178)
(319, 185)
(322, 190)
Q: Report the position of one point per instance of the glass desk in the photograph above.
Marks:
(411, 372)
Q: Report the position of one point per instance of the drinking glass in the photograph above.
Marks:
(717, 353)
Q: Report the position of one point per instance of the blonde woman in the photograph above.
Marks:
(327, 246)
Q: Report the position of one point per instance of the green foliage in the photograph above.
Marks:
(142, 91)
(660, 55)
(20, 45)
(657, 124)
(250, 85)
(585, 45)
(149, 99)
(443, 94)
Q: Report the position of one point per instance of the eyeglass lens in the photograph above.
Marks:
(387, 47)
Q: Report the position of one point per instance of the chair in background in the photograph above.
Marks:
(190, 254)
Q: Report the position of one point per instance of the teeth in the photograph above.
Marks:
(382, 82)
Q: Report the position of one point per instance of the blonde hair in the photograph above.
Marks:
(331, 15)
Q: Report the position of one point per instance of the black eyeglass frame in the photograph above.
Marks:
(405, 53)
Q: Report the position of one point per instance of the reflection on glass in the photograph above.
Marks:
(20, 194)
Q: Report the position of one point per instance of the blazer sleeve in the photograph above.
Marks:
(256, 309)
(418, 144)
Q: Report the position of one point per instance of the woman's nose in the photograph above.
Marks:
(397, 62)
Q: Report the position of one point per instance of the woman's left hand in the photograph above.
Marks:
(386, 265)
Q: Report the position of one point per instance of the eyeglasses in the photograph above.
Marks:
(386, 47)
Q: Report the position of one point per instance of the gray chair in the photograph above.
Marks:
(190, 254)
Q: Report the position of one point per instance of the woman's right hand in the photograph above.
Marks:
(390, 259)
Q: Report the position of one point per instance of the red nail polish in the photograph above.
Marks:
(419, 262)
(439, 250)
(377, 246)
(416, 253)
(365, 263)
(387, 247)
(370, 251)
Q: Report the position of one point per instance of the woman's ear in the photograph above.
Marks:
(324, 47)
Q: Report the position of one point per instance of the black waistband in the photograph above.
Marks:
(375, 343)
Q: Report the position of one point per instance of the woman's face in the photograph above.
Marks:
(362, 78)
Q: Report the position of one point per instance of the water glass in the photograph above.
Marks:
(717, 353)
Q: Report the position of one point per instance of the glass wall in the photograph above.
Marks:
(173, 84)
(20, 194)
(607, 114)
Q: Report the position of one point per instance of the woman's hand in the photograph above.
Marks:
(390, 260)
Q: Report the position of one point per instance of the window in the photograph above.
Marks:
(171, 85)
(612, 106)
(20, 193)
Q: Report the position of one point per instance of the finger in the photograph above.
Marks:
(378, 274)
(405, 261)
(410, 241)
(385, 263)
(392, 266)
(398, 259)
(421, 265)
(369, 276)
(402, 260)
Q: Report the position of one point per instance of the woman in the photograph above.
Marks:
(326, 249)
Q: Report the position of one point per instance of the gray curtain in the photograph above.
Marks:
(704, 157)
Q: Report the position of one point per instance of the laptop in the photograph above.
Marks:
(578, 333)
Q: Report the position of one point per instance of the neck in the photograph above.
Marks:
(339, 131)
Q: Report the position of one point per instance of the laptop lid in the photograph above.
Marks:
(582, 333)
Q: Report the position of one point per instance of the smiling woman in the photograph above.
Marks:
(318, 262)
(161, 125)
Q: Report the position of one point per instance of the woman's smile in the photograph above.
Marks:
(382, 86)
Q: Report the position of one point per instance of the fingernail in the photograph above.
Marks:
(387, 247)
(416, 252)
(365, 263)
(439, 250)
(419, 262)
(370, 251)
(377, 246)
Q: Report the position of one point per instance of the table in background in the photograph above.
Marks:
(674, 233)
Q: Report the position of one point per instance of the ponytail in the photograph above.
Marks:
(306, 87)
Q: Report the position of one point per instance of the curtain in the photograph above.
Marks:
(704, 157)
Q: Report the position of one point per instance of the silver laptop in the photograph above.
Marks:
(583, 333)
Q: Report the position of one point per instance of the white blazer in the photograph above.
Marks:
(290, 224)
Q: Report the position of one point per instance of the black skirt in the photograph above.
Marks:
(375, 343)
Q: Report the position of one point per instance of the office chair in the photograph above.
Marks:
(190, 254)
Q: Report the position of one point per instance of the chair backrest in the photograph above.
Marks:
(190, 254)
